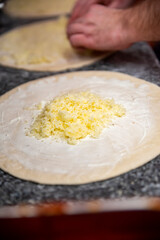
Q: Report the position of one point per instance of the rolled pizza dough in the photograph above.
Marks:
(129, 142)
(38, 8)
(43, 46)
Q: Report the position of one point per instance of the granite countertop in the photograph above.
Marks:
(139, 61)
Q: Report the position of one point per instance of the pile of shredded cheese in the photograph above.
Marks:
(74, 116)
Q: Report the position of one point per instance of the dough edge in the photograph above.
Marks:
(8, 9)
(51, 66)
(144, 154)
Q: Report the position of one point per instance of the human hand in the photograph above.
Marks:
(100, 28)
(104, 28)
(82, 6)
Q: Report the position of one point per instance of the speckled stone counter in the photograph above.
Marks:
(139, 61)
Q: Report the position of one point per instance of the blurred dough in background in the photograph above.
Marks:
(43, 46)
(38, 8)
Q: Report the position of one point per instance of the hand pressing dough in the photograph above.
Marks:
(43, 46)
(129, 142)
(38, 8)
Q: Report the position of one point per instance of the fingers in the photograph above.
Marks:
(78, 33)
(77, 9)
(75, 28)
(81, 32)
(79, 27)
(83, 6)
(81, 41)
(121, 4)
(106, 2)
(80, 8)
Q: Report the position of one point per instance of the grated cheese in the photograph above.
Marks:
(75, 116)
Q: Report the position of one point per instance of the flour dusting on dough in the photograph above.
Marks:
(91, 159)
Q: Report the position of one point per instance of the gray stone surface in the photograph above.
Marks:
(139, 61)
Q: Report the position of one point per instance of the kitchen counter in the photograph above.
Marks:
(139, 61)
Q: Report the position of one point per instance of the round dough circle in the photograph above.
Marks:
(129, 143)
(38, 8)
(43, 46)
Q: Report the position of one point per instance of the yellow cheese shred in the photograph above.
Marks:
(75, 116)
